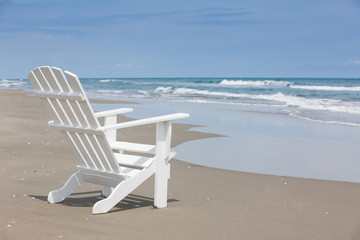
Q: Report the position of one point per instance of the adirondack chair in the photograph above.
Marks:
(120, 167)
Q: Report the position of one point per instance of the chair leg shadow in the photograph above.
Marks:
(82, 199)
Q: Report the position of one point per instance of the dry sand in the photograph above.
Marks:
(204, 203)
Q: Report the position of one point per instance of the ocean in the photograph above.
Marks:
(302, 127)
(328, 100)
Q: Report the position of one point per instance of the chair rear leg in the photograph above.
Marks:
(73, 183)
(106, 191)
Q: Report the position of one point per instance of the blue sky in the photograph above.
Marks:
(196, 38)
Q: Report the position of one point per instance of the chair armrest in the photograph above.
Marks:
(113, 112)
(145, 121)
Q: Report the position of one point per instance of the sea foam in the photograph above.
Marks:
(322, 104)
(4, 83)
(255, 83)
(326, 88)
(110, 91)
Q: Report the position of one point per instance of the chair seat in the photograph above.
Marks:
(126, 172)
(129, 172)
(133, 161)
(138, 148)
(133, 147)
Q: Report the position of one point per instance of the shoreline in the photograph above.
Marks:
(204, 203)
(275, 144)
(260, 142)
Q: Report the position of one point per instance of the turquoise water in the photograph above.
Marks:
(295, 127)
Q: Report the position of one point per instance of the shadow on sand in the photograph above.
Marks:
(88, 199)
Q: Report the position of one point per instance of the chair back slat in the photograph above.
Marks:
(61, 79)
(72, 138)
(91, 156)
(50, 79)
(97, 152)
(38, 86)
(85, 106)
(79, 115)
(76, 113)
(41, 80)
(64, 104)
(108, 155)
(48, 85)
(72, 111)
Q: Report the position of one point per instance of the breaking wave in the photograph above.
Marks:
(273, 83)
(255, 83)
(326, 88)
(332, 105)
(10, 83)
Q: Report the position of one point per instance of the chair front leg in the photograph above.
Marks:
(73, 183)
(162, 167)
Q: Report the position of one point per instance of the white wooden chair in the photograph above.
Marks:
(101, 159)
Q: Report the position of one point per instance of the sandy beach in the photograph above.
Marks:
(203, 203)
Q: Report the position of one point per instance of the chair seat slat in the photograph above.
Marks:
(138, 148)
(132, 161)
(130, 172)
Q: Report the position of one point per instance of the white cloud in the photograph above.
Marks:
(353, 62)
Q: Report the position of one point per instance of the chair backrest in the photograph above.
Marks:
(74, 116)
